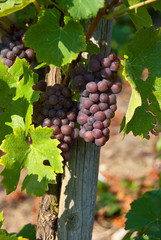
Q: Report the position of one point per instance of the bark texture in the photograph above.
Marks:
(48, 213)
(78, 193)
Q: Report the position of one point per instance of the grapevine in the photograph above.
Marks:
(42, 126)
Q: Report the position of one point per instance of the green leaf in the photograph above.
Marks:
(139, 16)
(10, 6)
(5, 236)
(16, 84)
(26, 14)
(82, 9)
(128, 236)
(20, 154)
(59, 45)
(145, 103)
(145, 212)
(28, 231)
(92, 48)
(157, 5)
(1, 219)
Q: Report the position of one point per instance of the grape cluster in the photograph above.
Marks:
(12, 46)
(56, 110)
(97, 104)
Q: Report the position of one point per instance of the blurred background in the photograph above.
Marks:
(129, 166)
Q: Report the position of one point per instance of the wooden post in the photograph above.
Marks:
(49, 203)
(79, 185)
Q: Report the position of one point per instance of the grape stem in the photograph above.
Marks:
(118, 12)
(37, 5)
(89, 33)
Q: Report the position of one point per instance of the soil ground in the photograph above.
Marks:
(121, 158)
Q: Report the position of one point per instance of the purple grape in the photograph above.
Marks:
(56, 129)
(106, 72)
(45, 112)
(58, 106)
(56, 121)
(108, 81)
(102, 86)
(100, 56)
(114, 66)
(67, 139)
(61, 114)
(90, 120)
(43, 97)
(104, 98)
(106, 62)
(91, 87)
(64, 147)
(41, 86)
(85, 111)
(94, 65)
(106, 132)
(88, 136)
(80, 70)
(103, 106)
(106, 122)
(100, 141)
(87, 127)
(78, 82)
(82, 118)
(66, 92)
(82, 132)
(16, 50)
(87, 103)
(67, 156)
(59, 137)
(94, 97)
(112, 98)
(75, 133)
(4, 52)
(116, 88)
(64, 121)
(11, 56)
(22, 54)
(71, 116)
(52, 113)
(109, 113)
(8, 62)
(58, 93)
(68, 104)
(30, 53)
(98, 124)
(47, 122)
(66, 130)
(89, 77)
(72, 124)
(97, 133)
(113, 107)
(47, 105)
(94, 108)
(99, 116)
(85, 93)
(112, 56)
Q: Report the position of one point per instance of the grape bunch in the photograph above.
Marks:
(12, 46)
(56, 110)
(97, 104)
